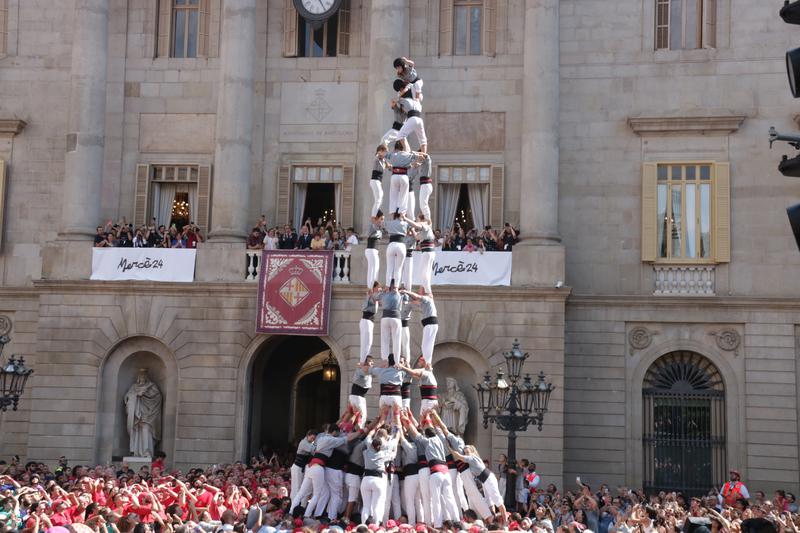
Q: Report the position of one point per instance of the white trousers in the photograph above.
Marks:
(353, 484)
(373, 265)
(425, 191)
(391, 332)
(458, 490)
(392, 508)
(359, 403)
(366, 329)
(407, 276)
(377, 195)
(391, 401)
(424, 482)
(411, 204)
(442, 499)
(373, 497)
(398, 194)
(427, 405)
(474, 498)
(429, 341)
(412, 500)
(395, 257)
(319, 489)
(297, 480)
(415, 125)
(389, 138)
(492, 491)
(335, 481)
(425, 260)
(405, 344)
(302, 496)
(502, 485)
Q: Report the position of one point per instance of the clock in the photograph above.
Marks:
(316, 11)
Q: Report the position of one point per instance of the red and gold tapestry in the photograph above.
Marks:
(294, 292)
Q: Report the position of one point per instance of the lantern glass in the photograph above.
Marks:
(541, 395)
(330, 368)
(501, 392)
(514, 361)
(526, 395)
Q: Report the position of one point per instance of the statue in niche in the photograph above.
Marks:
(454, 408)
(143, 408)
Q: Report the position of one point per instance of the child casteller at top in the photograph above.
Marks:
(406, 72)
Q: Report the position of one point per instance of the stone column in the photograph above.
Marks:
(83, 176)
(388, 39)
(233, 159)
(540, 122)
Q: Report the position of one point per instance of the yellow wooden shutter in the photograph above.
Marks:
(203, 28)
(343, 44)
(283, 196)
(164, 25)
(649, 212)
(496, 196)
(202, 218)
(722, 213)
(346, 216)
(709, 23)
(490, 27)
(446, 28)
(141, 195)
(289, 30)
(2, 197)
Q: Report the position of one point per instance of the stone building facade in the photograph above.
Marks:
(626, 139)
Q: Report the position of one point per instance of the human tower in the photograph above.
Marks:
(395, 465)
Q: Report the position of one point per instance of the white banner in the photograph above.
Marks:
(467, 268)
(143, 264)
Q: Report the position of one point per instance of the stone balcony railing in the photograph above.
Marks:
(684, 280)
(341, 266)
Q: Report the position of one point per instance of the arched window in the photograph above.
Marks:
(684, 424)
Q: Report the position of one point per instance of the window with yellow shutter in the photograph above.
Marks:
(686, 212)
(685, 24)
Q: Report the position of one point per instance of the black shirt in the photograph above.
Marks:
(287, 242)
(304, 242)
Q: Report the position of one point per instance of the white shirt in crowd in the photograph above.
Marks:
(352, 240)
(270, 243)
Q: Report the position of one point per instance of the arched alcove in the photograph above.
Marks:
(117, 373)
(466, 365)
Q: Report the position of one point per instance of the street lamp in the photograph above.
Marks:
(13, 375)
(513, 405)
(330, 368)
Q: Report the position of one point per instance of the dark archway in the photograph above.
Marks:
(286, 399)
(684, 440)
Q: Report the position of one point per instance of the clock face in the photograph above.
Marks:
(316, 10)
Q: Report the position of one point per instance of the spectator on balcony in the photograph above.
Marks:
(155, 237)
(175, 238)
(100, 238)
(270, 240)
(317, 243)
(470, 246)
(255, 240)
(351, 239)
(459, 238)
(304, 240)
(139, 240)
(439, 240)
(335, 242)
(447, 243)
(125, 237)
(508, 237)
(191, 235)
(288, 239)
(489, 239)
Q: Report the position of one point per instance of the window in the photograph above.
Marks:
(183, 27)
(685, 24)
(319, 192)
(686, 212)
(467, 26)
(302, 39)
(683, 399)
(472, 194)
(172, 194)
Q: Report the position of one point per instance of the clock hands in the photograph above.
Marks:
(321, 4)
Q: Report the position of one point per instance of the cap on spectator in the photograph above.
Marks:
(735, 472)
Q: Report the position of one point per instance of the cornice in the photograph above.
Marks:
(682, 302)
(11, 126)
(686, 125)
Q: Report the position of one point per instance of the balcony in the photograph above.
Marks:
(341, 266)
(684, 280)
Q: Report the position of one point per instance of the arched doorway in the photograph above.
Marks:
(684, 430)
(288, 395)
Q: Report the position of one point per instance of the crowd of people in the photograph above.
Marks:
(254, 498)
(124, 235)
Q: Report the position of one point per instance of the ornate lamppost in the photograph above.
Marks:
(330, 368)
(512, 405)
(13, 375)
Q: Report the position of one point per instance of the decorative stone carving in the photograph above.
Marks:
(454, 408)
(728, 339)
(640, 338)
(143, 407)
(5, 325)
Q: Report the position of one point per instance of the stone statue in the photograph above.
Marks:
(143, 407)
(454, 408)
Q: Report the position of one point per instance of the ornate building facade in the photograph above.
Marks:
(626, 140)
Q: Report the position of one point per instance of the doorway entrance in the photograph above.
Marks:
(289, 395)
